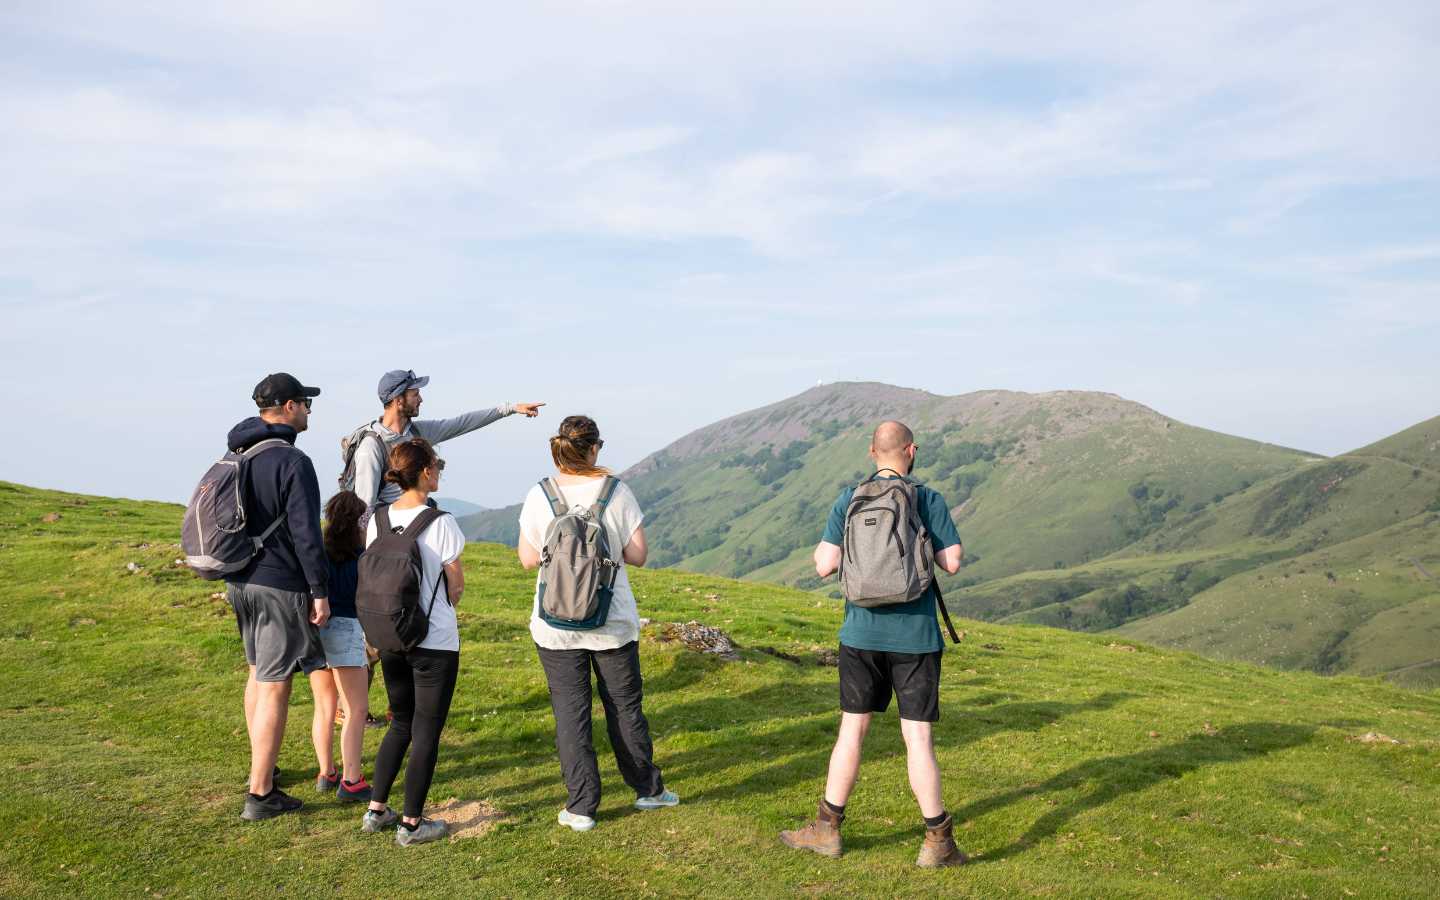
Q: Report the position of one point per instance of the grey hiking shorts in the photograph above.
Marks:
(275, 626)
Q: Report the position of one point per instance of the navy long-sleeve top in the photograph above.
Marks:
(282, 482)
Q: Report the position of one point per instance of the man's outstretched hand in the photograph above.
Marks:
(528, 410)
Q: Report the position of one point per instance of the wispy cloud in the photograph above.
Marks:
(1049, 194)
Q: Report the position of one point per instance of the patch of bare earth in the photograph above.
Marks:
(467, 819)
(1375, 737)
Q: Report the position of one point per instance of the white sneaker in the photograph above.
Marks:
(576, 823)
(662, 799)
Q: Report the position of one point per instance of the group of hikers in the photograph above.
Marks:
(380, 578)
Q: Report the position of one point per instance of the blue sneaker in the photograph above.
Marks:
(423, 833)
(575, 822)
(664, 798)
(375, 822)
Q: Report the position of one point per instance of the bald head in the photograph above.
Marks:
(893, 447)
(891, 438)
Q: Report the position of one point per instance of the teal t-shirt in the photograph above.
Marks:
(902, 627)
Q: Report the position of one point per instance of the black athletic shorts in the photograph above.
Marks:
(867, 677)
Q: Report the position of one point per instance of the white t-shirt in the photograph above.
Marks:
(621, 518)
(440, 544)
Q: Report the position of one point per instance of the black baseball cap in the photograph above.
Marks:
(280, 387)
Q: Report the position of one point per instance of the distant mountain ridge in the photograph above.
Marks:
(1079, 510)
(1033, 479)
(459, 508)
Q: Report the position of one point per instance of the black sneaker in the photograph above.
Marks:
(324, 784)
(353, 793)
(275, 803)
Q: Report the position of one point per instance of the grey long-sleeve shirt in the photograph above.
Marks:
(371, 461)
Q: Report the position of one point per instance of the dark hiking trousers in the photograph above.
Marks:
(617, 675)
(419, 685)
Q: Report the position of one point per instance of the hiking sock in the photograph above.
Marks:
(932, 821)
(837, 810)
(407, 826)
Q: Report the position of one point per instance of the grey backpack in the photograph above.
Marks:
(214, 534)
(887, 557)
(349, 444)
(577, 570)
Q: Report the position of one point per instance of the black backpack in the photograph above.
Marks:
(390, 579)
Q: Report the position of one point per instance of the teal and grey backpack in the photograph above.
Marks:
(577, 570)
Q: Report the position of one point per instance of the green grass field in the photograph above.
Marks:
(1078, 765)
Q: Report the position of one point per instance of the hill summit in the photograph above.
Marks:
(1034, 480)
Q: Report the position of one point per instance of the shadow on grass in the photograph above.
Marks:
(1111, 778)
(805, 745)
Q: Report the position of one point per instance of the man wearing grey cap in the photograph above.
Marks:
(369, 446)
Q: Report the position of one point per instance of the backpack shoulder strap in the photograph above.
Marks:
(878, 471)
(607, 492)
(255, 450)
(558, 506)
(940, 602)
(427, 515)
(382, 520)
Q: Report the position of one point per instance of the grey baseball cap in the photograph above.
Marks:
(398, 381)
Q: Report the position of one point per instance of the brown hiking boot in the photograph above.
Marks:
(822, 835)
(939, 848)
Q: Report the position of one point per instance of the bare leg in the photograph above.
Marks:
(322, 726)
(845, 758)
(354, 697)
(923, 768)
(249, 699)
(267, 729)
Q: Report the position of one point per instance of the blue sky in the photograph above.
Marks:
(664, 214)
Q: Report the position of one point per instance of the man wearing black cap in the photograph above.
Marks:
(280, 599)
(399, 393)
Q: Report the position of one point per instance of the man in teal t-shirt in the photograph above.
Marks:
(887, 649)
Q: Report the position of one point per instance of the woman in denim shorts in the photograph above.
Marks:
(344, 681)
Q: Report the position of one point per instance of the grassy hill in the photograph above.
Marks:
(1234, 579)
(1078, 765)
(1035, 480)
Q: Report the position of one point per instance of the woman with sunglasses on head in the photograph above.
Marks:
(419, 682)
(612, 650)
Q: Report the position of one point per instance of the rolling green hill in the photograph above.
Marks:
(1076, 765)
(1322, 568)
(1035, 480)
(1081, 511)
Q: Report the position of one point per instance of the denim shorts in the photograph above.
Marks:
(344, 642)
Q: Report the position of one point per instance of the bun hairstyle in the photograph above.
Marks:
(408, 460)
(344, 538)
(571, 446)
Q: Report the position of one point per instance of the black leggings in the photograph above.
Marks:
(419, 684)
